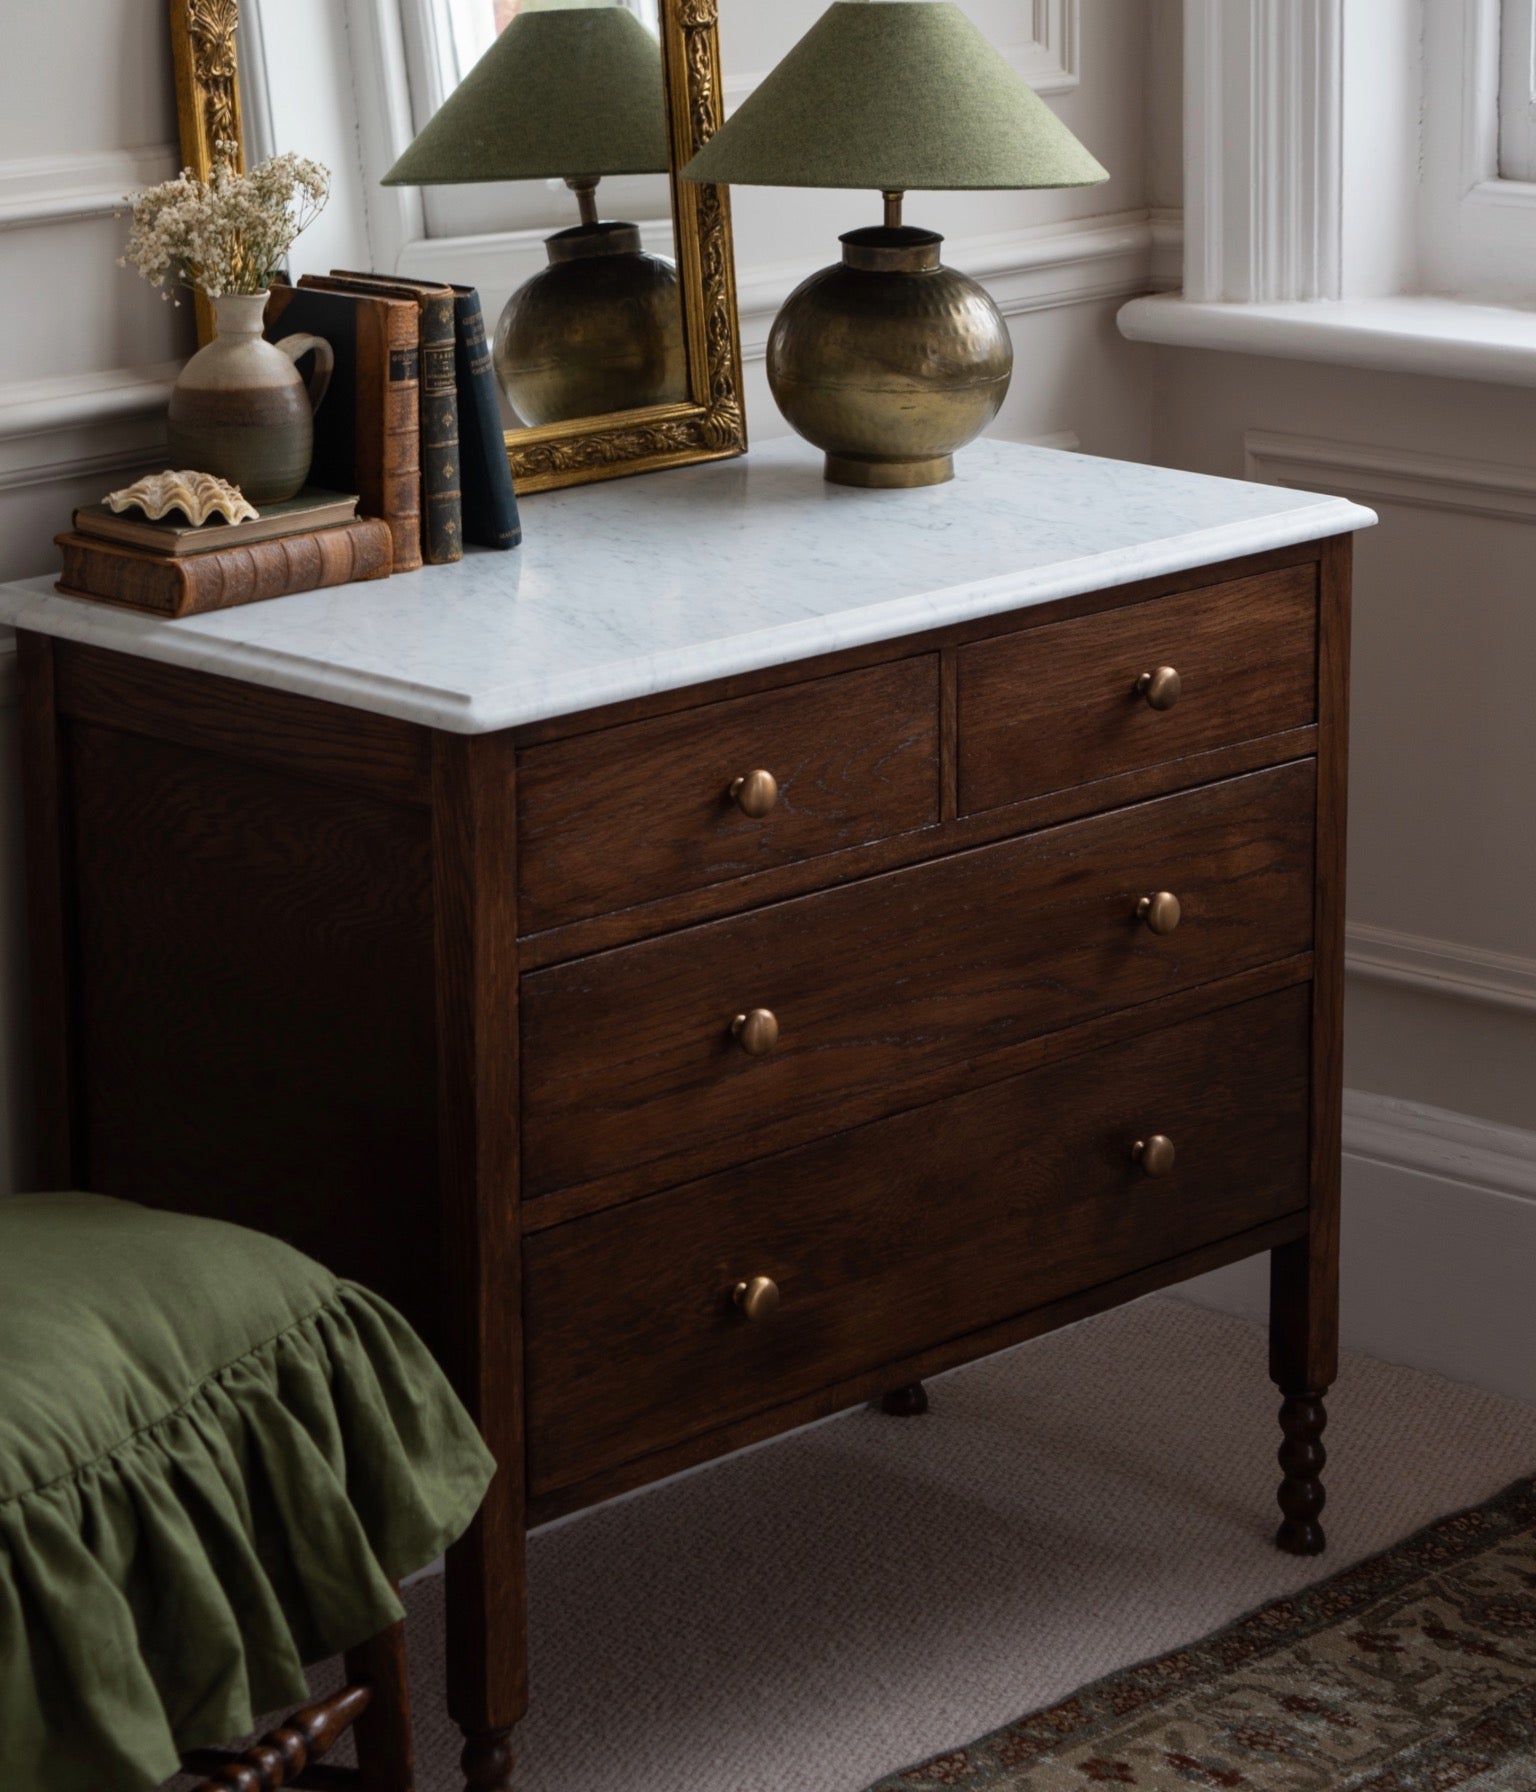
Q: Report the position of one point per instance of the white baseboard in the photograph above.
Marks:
(1439, 1246)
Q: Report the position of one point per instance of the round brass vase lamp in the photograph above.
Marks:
(890, 361)
(572, 90)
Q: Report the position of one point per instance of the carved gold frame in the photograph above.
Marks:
(711, 423)
(206, 74)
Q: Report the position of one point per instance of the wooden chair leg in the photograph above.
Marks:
(382, 1735)
(375, 1704)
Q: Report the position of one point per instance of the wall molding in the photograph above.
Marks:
(67, 427)
(1440, 967)
(1264, 133)
(1428, 481)
(1439, 1236)
(68, 189)
(1036, 268)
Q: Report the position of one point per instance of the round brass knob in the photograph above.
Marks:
(757, 1031)
(1155, 1154)
(1160, 911)
(758, 1299)
(1161, 688)
(755, 794)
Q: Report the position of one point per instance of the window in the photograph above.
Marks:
(1517, 91)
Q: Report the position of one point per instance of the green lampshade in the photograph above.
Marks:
(896, 95)
(565, 90)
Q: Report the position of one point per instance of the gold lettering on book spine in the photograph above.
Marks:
(713, 424)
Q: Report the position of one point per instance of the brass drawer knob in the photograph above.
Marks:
(1161, 688)
(1160, 911)
(757, 1031)
(755, 794)
(1155, 1154)
(758, 1299)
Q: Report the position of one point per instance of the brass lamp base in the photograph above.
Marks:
(890, 475)
(890, 361)
(599, 330)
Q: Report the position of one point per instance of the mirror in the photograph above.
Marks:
(617, 349)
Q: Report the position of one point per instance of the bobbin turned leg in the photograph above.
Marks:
(1303, 1354)
(487, 1761)
(1302, 1456)
(910, 1402)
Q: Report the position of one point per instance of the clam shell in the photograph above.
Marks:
(197, 495)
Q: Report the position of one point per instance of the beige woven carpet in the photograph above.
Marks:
(836, 1606)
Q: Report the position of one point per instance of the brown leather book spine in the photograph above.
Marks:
(389, 354)
(220, 580)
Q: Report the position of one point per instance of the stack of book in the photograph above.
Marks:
(412, 421)
(175, 568)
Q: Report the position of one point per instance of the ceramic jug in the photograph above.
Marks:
(242, 410)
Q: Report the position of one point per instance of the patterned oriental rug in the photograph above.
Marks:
(1414, 1671)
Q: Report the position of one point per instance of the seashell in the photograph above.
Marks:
(197, 496)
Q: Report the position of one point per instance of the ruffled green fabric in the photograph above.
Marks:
(215, 1460)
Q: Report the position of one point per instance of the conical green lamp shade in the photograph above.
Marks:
(895, 95)
(565, 91)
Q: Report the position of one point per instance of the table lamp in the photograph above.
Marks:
(890, 361)
(572, 89)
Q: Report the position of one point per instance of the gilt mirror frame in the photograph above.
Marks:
(711, 423)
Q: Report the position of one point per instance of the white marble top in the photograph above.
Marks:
(642, 585)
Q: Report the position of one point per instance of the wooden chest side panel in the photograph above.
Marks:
(890, 1239)
(254, 994)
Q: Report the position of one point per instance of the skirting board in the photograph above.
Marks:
(1439, 1244)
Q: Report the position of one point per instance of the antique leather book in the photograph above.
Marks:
(491, 517)
(442, 516)
(311, 510)
(189, 584)
(368, 431)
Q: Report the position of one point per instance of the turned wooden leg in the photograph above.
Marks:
(910, 1402)
(487, 1761)
(1302, 1456)
(1303, 1360)
(386, 1759)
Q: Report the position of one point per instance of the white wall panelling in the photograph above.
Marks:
(1439, 1238)
(1441, 967)
(65, 189)
(1425, 480)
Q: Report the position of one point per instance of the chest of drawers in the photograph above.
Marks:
(695, 1062)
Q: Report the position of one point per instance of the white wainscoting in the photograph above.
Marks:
(1381, 475)
(1439, 1238)
(65, 189)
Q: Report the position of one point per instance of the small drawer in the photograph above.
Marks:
(630, 1058)
(646, 810)
(1060, 705)
(899, 1236)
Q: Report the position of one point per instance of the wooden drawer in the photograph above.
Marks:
(628, 1056)
(1058, 706)
(906, 1233)
(630, 814)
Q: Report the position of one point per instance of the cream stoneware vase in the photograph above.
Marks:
(242, 410)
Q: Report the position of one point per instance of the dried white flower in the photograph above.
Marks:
(229, 233)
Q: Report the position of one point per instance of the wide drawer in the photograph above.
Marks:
(1059, 706)
(907, 1233)
(629, 1056)
(643, 811)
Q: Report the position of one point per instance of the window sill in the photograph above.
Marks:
(1440, 337)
